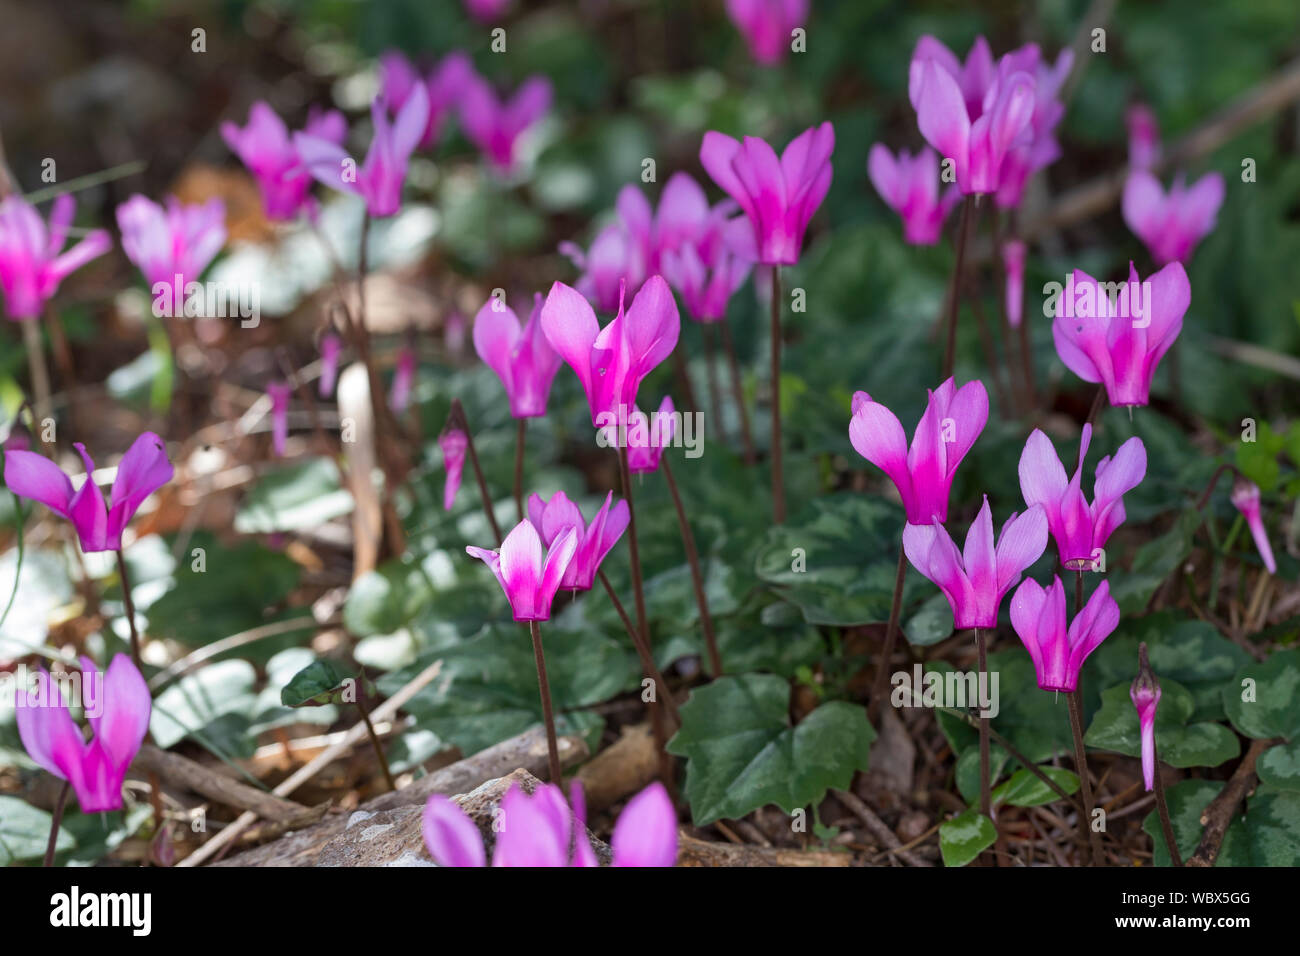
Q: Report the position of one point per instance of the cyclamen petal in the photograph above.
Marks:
(1245, 498)
(171, 247)
(646, 831)
(593, 541)
(32, 263)
(767, 25)
(265, 147)
(450, 835)
(910, 186)
(1171, 225)
(528, 575)
(1058, 652)
(454, 444)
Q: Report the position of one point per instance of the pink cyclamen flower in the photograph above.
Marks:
(330, 347)
(910, 187)
(379, 178)
(445, 85)
(171, 247)
(117, 705)
(767, 25)
(1039, 148)
(975, 114)
(1080, 529)
(612, 265)
(264, 146)
(142, 471)
(706, 293)
(495, 125)
(923, 474)
(540, 829)
(32, 260)
(1013, 262)
(454, 444)
(522, 357)
(1120, 343)
(1143, 137)
(1058, 652)
(399, 395)
(486, 11)
(648, 436)
(595, 540)
(1171, 225)
(778, 195)
(1145, 694)
(279, 393)
(529, 576)
(611, 362)
(975, 578)
(1245, 497)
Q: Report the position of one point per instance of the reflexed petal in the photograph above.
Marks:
(646, 831)
(35, 477)
(450, 835)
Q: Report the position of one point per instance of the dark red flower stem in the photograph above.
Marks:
(40, 376)
(457, 419)
(778, 475)
(697, 579)
(129, 606)
(54, 823)
(747, 440)
(981, 650)
(519, 468)
(544, 686)
(711, 374)
(648, 665)
(1166, 825)
(374, 737)
(881, 681)
(954, 288)
(1091, 843)
(634, 551)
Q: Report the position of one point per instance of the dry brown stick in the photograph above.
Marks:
(879, 829)
(693, 852)
(184, 772)
(1218, 815)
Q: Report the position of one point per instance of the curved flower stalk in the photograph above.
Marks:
(445, 84)
(171, 247)
(909, 185)
(767, 26)
(923, 473)
(495, 125)
(266, 148)
(594, 540)
(777, 194)
(32, 260)
(142, 471)
(1171, 224)
(117, 706)
(379, 177)
(611, 362)
(1119, 344)
(1081, 529)
(975, 578)
(974, 114)
(539, 830)
(1058, 653)
(522, 357)
(454, 444)
(1245, 498)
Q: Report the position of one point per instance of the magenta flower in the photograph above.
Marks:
(399, 396)
(486, 11)
(1080, 529)
(522, 358)
(594, 541)
(778, 195)
(611, 362)
(279, 393)
(614, 263)
(529, 576)
(767, 25)
(494, 125)
(1145, 694)
(142, 471)
(1143, 137)
(265, 148)
(1171, 225)
(539, 830)
(1041, 148)
(910, 187)
(117, 706)
(1245, 497)
(171, 247)
(32, 260)
(706, 293)
(648, 436)
(1013, 262)
(975, 578)
(378, 179)
(446, 83)
(453, 443)
(330, 347)
(1038, 616)
(973, 114)
(1120, 343)
(923, 474)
